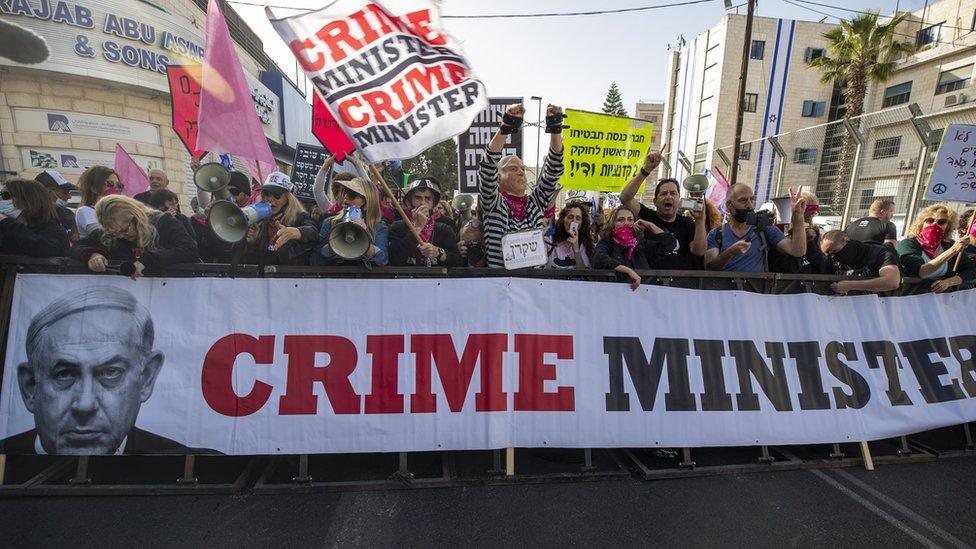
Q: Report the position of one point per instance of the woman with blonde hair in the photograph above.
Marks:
(929, 251)
(94, 183)
(287, 237)
(360, 204)
(131, 232)
(621, 246)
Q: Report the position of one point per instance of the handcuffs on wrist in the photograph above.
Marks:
(510, 124)
(554, 123)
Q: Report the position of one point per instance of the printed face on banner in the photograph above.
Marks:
(90, 366)
(184, 87)
(395, 80)
(954, 176)
(602, 151)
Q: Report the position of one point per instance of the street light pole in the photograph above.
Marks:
(740, 100)
(538, 134)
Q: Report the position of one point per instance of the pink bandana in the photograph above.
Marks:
(334, 208)
(516, 204)
(624, 236)
(930, 238)
(428, 227)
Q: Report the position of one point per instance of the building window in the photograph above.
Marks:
(804, 156)
(653, 119)
(928, 35)
(758, 49)
(745, 151)
(701, 158)
(897, 94)
(955, 79)
(813, 53)
(886, 148)
(749, 102)
(814, 109)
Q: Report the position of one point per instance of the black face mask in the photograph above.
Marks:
(741, 214)
(852, 255)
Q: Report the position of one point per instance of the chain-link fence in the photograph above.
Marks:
(887, 153)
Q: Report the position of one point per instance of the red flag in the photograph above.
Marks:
(228, 120)
(134, 180)
(184, 88)
(327, 130)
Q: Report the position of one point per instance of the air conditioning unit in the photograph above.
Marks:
(906, 164)
(963, 98)
(952, 100)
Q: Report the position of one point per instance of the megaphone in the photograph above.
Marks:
(696, 183)
(462, 202)
(349, 240)
(230, 222)
(213, 178)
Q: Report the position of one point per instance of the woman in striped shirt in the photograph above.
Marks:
(506, 203)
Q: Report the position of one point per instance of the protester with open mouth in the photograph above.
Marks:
(673, 241)
(930, 252)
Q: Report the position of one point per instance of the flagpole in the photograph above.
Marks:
(396, 203)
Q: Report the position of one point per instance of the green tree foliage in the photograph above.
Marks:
(614, 104)
(439, 162)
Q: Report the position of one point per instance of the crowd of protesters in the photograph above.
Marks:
(149, 232)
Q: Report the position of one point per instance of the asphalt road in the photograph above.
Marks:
(902, 505)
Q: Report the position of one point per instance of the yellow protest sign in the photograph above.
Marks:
(602, 151)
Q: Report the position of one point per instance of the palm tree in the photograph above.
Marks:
(859, 51)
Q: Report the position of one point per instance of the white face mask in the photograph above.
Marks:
(61, 203)
(7, 208)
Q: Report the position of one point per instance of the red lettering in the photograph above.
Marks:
(405, 102)
(335, 35)
(298, 47)
(218, 374)
(379, 102)
(345, 112)
(384, 397)
(533, 373)
(369, 33)
(384, 18)
(455, 375)
(419, 22)
(424, 78)
(303, 373)
(456, 73)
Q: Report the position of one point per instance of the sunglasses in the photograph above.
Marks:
(812, 208)
(272, 194)
(236, 191)
(5, 195)
(941, 222)
(352, 195)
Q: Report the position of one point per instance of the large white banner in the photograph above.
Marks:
(103, 364)
(395, 80)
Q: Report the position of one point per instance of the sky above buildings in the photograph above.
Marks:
(571, 61)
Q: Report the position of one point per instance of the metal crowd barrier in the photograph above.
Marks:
(127, 475)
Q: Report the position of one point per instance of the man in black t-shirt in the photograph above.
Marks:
(877, 227)
(881, 261)
(672, 241)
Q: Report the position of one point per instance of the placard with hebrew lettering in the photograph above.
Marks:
(472, 143)
(602, 151)
(954, 174)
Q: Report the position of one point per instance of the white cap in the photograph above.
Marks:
(57, 177)
(278, 179)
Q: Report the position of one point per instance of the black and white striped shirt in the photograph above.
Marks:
(497, 218)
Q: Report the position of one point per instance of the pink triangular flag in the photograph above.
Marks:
(134, 180)
(228, 120)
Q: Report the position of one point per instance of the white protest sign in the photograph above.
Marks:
(524, 249)
(954, 175)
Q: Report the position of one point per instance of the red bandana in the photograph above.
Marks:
(930, 238)
(624, 236)
(428, 227)
(516, 204)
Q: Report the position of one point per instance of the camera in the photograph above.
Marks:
(760, 219)
(690, 204)
(476, 251)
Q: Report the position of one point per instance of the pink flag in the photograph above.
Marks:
(718, 191)
(134, 180)
(228, 120)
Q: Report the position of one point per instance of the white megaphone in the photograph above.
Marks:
(230, 222)
(696, 183)
(213, 178)
(349, 240)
